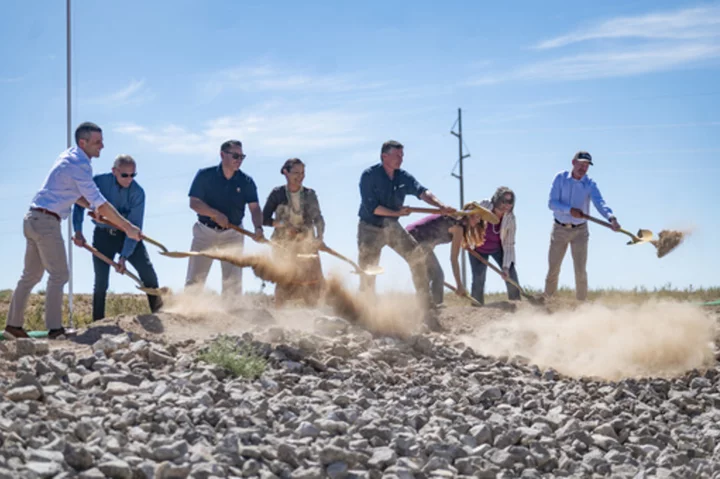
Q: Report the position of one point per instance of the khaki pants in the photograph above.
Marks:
(372, 239)
(44, 251)
(577, 238)
(205, 238)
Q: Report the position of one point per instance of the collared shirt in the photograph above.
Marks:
(69, 179)
(567, 192)
(129, 202)
(378, 189)
(227, 196)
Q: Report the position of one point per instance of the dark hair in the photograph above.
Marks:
(499, 193)
(288, 165)
(85, 130)
(225, 147)
(390, 145)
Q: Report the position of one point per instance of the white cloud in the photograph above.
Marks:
(265, 132)
(609, 64)
(269, 79)
(641, 44)
(686, 24)
(134, 93)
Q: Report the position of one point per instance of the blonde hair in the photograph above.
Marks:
(473, 236)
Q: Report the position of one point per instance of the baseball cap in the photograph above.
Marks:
(583, 156)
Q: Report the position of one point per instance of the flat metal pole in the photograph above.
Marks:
(71, 319)
(463, 256)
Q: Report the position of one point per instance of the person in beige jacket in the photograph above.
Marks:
(499, 243)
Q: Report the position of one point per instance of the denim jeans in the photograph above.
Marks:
(479, 272)
(110, 243)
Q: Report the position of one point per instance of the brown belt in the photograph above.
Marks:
(47, 212)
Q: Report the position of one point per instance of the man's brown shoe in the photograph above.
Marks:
(15, 332)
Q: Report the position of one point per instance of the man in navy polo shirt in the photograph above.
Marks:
(218, 195)
(383, 188)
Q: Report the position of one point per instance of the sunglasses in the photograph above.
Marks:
(236, 156)
(128, 175)
(507, 201)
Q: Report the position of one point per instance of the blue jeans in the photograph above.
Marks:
(111, 244)
(479, 272)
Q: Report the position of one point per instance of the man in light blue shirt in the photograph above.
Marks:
(570, 198)
(128, 197)
(70, 181)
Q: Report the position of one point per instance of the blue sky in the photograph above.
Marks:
(634, 83)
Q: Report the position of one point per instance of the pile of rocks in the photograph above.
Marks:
(340, 403)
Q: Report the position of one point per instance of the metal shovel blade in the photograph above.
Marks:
(643, 236)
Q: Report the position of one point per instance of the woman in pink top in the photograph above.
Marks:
(499, 243)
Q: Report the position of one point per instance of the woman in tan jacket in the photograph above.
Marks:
(499, 243)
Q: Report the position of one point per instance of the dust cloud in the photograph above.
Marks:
(654, 339)
(392, 314)
(668, 240)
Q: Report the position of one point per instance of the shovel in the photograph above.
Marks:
(271, 243)
(372, 271)
(486, 214)
(534, 300)
(101, 219)
(643, 236)
(466, 295)
(141, 286)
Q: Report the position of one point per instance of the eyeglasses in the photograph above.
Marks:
(236, 156)
(507, 201)
(128, 175)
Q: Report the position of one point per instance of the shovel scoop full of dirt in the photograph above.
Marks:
(667, 241)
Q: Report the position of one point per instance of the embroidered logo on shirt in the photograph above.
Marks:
(237, 189)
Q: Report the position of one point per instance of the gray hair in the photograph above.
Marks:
(122, 160)
(499, 193)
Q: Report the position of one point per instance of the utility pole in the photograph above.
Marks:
(71, 320)
(460, 177)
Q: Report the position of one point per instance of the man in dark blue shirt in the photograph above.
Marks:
(128, 198)
(383, 188)
(218, 195)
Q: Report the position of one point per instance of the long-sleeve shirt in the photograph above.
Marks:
(378, 189)
(130, 203)
(69, 179)
(567, 193)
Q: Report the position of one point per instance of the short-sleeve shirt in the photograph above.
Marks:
(227, 196)
(378, 189)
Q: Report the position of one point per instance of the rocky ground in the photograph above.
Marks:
(336, 402)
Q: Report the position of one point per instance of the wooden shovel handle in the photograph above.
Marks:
(417, 209)
(487, 263)
(467, 295)
(332, 252)
(112, 263)
(607, 224)
(101, 219)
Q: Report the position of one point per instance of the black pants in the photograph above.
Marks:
(479, 273)
(111, 244)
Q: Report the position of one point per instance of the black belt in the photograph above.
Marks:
(47, 212)
(211, 224)
(569, 225)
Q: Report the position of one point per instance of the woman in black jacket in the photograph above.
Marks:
(299, 227)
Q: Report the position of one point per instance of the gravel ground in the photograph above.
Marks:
(334, 401)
